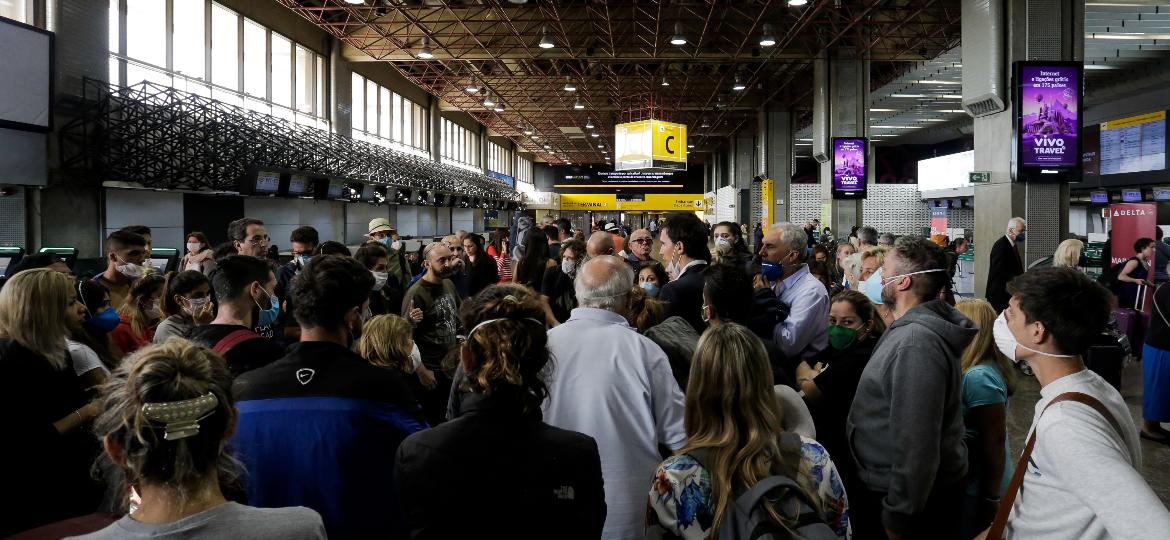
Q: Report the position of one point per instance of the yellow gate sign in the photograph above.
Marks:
(650, 144)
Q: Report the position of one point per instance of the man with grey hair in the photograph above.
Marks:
(804, 332)
(886, 239)
(867, 237)
(432, 306)
(616, 386)
(1006, 263)
(600, 243)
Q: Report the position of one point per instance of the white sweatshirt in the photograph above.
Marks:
(1084, 480)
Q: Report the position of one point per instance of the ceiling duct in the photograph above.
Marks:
(983, 61)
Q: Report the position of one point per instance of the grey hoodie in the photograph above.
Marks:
(905, 427)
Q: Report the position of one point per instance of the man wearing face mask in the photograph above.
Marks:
(906, 424)
(1082, 466)
(398, 269)
(1006, 263)
(802, 333)
(558, 282)
(304, 241)
(244, 290)
(432, 306)
(684, 249)
(317, 427)
(125, 258)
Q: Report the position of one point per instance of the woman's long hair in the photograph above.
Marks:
(739, 248)
(145, 287)
(732, 412)
(386, 342)
(982, 349)
(509, 356)
(96, 299)
(530, 268)
(33, 304)
(864, 309)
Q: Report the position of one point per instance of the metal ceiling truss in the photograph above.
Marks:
(616, 52)
(164, 138)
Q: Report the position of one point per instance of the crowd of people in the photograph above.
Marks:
(546, 382)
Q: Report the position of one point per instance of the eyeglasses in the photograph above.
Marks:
(257, 239)
(641, 241)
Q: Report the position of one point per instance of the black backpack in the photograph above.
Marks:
(1109, 277)
(747, 519)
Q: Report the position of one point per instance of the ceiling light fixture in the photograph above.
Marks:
(601, 146)
(766, 38)
(472, 87)
(546, 41)
(690, 146)
(499, 107)
(528, 130)
(679, 38)
(488, 101)
(570, 86)
(739, 85)
(908, 95)
(589, 124)
(883, 110)
(595, 135)
(425, 52)
(797, 3)
(705, 124)
(355, 2)
(578, 105)
(665, 82)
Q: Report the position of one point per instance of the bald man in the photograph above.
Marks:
(600, 243)
(639, 248)
(460, 277)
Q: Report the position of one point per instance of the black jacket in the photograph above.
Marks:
(481, 274)
(562, 297)
(685, 297)
(1006, 264)
(494, 473)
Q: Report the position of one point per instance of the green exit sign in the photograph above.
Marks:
(979, 177)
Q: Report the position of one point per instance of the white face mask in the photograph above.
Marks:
(194, 247)
(723, 245)
(380, 279)
(569, 267)
(195, 305)
(154, 312)
(396, 245)
(130, 270)
(1006, 342)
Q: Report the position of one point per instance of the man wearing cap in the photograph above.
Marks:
(619, 243)
(383, 233)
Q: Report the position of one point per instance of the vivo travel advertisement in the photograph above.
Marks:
(849, 165)
(1049, 126)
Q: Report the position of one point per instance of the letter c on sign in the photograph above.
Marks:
(668, 140)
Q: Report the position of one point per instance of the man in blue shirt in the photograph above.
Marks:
(805, 331)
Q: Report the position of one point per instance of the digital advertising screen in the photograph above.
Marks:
(1048, 113)
(606, 179)
(849, 167)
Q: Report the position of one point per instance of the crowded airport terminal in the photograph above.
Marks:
(585, 269)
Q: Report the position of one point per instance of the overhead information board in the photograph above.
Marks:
(650, 144)
(664, 202)
(1134, 144)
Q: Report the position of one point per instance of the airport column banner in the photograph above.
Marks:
(1131, 221)
(767, 200)
(938, 222)
(650, 144)
(1050, 98)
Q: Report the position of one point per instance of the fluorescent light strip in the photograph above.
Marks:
(932, 81)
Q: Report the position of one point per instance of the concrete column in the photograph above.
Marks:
(435, 131)
(775, 143)
(1035, 30)
(846, 79)
(340, 82)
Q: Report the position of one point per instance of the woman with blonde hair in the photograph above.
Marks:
(734, 440)
(387, 341)
(1068, 253)
(140, 315)
(167, 416)
(987, 384)
(47, 407)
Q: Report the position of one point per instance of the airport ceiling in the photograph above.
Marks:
(619, 53)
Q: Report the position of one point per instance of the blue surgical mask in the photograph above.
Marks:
(872, 287)
(104, 322)
(650, 288)
(303, 260)
(772, 271)
(1020, 238)
(268, 316)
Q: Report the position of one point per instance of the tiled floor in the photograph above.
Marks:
(1155, 456)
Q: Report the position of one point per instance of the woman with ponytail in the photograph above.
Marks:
(167, 415)
(504, 472)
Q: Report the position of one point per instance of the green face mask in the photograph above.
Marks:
(841, 337)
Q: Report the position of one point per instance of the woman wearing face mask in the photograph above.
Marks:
(651, 277)
(376, 259)
(870, 280)
(829, 379)
(186, 305)
(200, 257)
(481, 266)
(730, 247)
(140, 314)
(100, 319)
(987, 384)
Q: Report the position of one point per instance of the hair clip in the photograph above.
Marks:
(181, 418)
(511, 299)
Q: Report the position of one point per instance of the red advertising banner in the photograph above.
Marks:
(1131, 221)
(938, 222)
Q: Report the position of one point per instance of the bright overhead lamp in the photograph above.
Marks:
(536, 137)
(892, 127)
(528, 131)
(766, 38)
(705, 124)
(601, 146)
(488, 101)
(690, 146)
(679, 38)
(589, 124)
(595, 135)
(933, 120)
(472, 87)
(578, 105)
(908, 95)
(499, 107)
(883, 110)
(739, 85)
(570, 86)
(355, 2)
(546, 41)
(797, 3)
(933, 81)
(952, 96)
(547, 147)
(425, 52)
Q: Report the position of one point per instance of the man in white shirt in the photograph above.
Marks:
(616, 386)
(1083, 479)
(804, 332)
